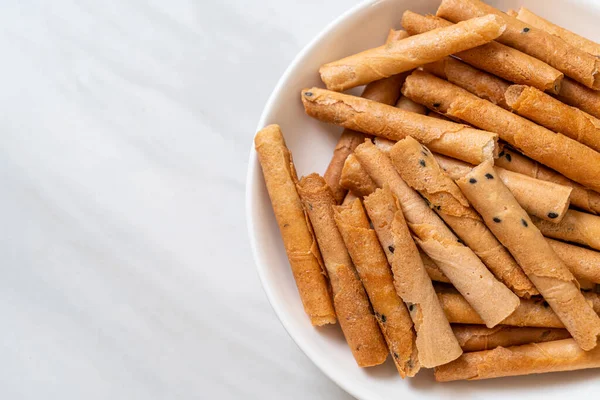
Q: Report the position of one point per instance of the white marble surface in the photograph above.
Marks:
(126, 126)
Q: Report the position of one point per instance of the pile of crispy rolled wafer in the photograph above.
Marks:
(456, 226)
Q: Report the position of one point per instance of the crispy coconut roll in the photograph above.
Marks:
(479, 338)
(576, 227)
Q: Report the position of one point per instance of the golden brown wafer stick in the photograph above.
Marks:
(583, 263)
(418, 168)
(573, 62)
(406, 54)
(513, 227)
(492, 299)
(300, 245)
(351, 304)
(479, 338)
(576, 95)
(481, 84)
(576, 227)
(534, 312)
(355, 178)
(572, 38)
(581, 197)
(534, 358)
(374, 271)
(451, 139)
(494, 57)
(384, 91)
(557, 151)
(436, 343)
(555, 115)
(543, 199)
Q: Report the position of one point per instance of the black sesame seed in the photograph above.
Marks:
(525, 224)
(552, 215)
(472, 180)
(422, 163)
(501, 154)
(383, 318)
(396, 355)
(411, 307)
(436, 105)
(508, 157)
(545, 304)
(460, 241)
(497, 220)
(391, 249)
(489, 176)
(438, 208)
(308, 94)
(525, 30)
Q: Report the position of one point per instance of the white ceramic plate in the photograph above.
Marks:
(311, 143)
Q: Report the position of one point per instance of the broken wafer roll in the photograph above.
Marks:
(478, 338)
(492, 299)
(418, 168)
(572, 38)
(573, 62)
(376, 276)
(481, 84)
(355, 178)
(350, 301)
(565, 155)
(494, 57)
(576, 95)
(534, 358)
(300, 245)
(515, 230)
(406, 54)
(436, 343)
(384, 91)
(581, 197)
(534, 312)
(583, 263)
(448, 138)
(576, 227)
(554, 114)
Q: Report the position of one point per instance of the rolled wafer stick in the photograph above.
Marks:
(543, 199)
(554, 114)
(534, 312)
(300, 245)
(355, 178)
(581, 197)
(374, 271)
(513, 227)
(481, 84)
(350, 300)
(573, 62)
(583, 263)
(479, 338)
(384, 91)
(494, 57)
(557, 151)
(576, 95)
(534, 358)
(418, 168)
(576, 227)
(448, 138)
(492, 299)
(436, 343)
(349, 197)
(572, 38)
(406, 54)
